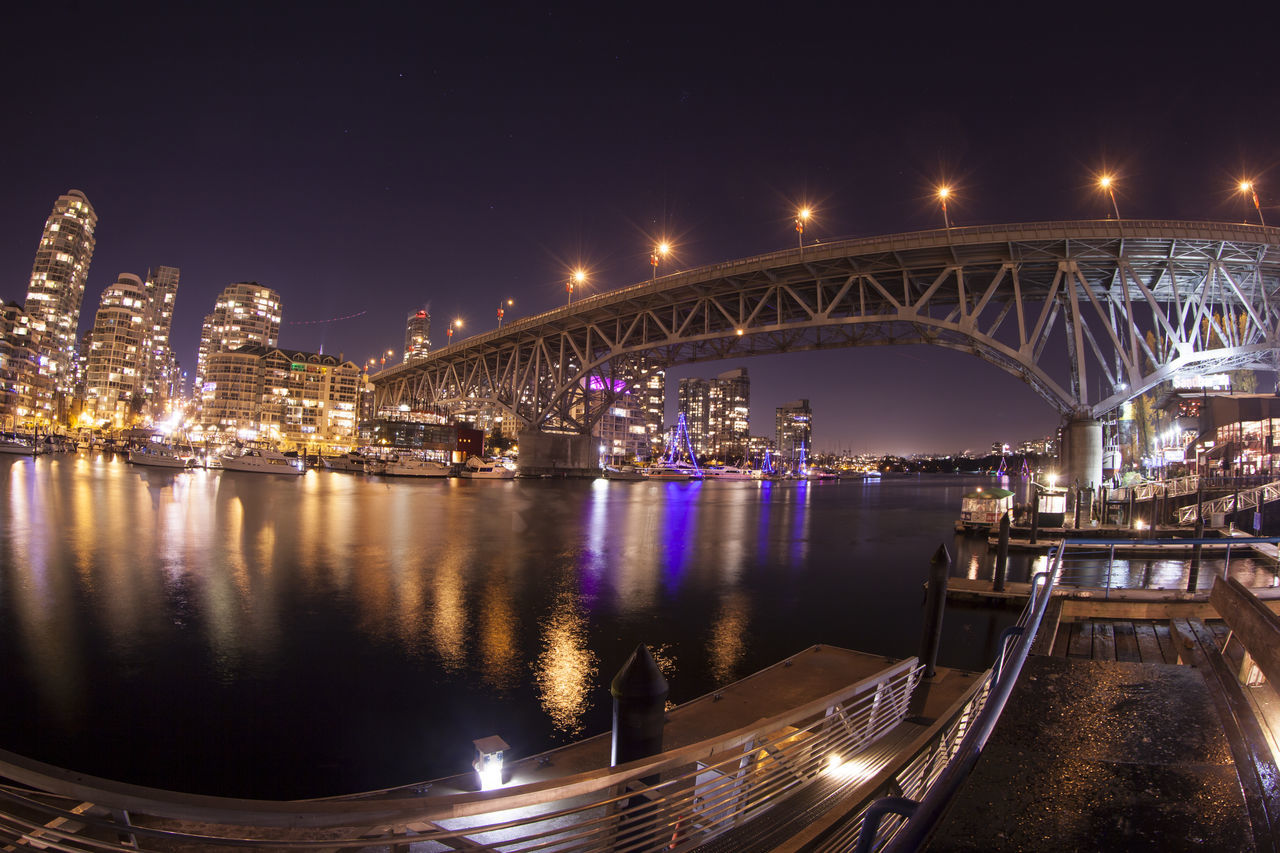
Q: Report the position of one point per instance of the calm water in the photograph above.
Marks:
(254, 635)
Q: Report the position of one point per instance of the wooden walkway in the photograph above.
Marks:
(1127, 641)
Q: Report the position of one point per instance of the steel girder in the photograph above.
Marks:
(1089, 314)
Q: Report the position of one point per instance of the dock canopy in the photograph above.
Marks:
(988, 495)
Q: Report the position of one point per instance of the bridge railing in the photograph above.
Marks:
(675, 800)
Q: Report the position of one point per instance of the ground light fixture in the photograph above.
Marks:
(488, 761)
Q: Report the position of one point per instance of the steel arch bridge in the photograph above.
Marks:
(1115, 307)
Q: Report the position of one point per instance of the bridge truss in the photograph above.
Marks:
(1089, 314)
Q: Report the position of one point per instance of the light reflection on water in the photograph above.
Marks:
(252, 635)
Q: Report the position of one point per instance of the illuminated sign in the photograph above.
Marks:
(1206, 381)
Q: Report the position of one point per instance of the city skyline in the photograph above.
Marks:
(352, 166)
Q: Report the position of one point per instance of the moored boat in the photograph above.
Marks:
(17, 445)
(413, 466)
(982, 509)
(727, 472)
(352, 463)
(159, 455)
(668, 472)
(483, 469)
(622, 472)
(261, 461)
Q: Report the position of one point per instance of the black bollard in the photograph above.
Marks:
(1131, 507)
(639, 711)
(1035, 519)
(639, 705)
(1002, 554)
(1076, 523)
(1193, 577)
(934, 607)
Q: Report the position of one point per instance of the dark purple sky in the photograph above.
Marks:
(383, 157)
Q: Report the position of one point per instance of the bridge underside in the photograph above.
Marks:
(1088, 314)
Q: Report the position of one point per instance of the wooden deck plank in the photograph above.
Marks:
(1126, 643)
(1148, 646)
(1050, 629)
(1081, 645)
(1166, 642)
(1104, 641)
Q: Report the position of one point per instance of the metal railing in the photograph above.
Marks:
(900, 824)
(1092, 563)
(676, 800)
(1243, 499)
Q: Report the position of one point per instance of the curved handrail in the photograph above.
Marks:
(926, 814)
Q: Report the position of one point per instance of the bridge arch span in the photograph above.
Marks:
(1065, 306)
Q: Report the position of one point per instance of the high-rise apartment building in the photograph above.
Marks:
(56, 289)
(245, 314)
(417, 335)
(160, 379)
(693, 396)
(116, 355)
(647, 384)
(717, 414)
(795, 431)
(728, 416)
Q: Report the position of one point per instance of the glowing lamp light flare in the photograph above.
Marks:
(1247, 188)
(944, 193)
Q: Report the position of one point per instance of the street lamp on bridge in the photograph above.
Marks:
(1108, 185)
(660, 252)
(455, 324)
(1247, 188)
(944, 193)
(802, 218)
(579, 276)
(501, 306)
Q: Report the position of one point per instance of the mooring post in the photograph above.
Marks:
(935, 606)
(639, 711)
(1131, 507)
(1002, 554)
(639, 706)
(1035, 515)
(1193, 577)
(1076, 523)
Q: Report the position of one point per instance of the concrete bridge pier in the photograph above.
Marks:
(1082, 452)
(558, 455)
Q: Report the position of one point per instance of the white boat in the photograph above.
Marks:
(625, 472)
(669, 472)
(16, 444)
(483, 469)
(261, 461)
(727, 472)
(412, 466)
(819, 474)
(352, 463)
(159, 455)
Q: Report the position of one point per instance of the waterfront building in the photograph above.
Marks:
(246, 314)
(303, 399)
(22, 385)
(794, 430)
(54, 296)
(116, 352)
(759, 447)
(621, 432)
(728, 416)
(231, 394)
(417, 335)
(1233, 434)
(308, 399)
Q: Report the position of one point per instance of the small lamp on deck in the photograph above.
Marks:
(488, 761)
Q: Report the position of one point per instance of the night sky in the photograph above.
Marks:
(384, 157)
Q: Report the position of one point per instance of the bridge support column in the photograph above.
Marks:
(558, 455)
(1082, 452)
